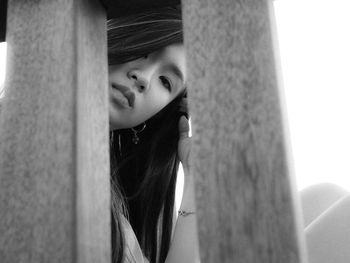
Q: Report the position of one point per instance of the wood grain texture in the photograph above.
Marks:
(54, 168)
(116, 8)
(246, 210)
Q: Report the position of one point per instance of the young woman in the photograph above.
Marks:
(147, 77)
(148, 139)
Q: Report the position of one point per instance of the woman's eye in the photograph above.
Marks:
(165, 82)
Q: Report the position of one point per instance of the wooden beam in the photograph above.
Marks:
(3, 17)
(116, 8)
(245, 199)
(54, 191)
(119, 4)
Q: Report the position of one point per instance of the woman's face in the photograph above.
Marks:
(140, 88)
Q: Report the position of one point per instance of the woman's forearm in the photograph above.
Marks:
(184, 245)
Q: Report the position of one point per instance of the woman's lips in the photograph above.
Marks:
(123, 95)
(131, 97)
(119, 99)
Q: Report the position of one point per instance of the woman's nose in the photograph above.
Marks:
(141, 82)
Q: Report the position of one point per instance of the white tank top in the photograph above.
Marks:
(132, 249)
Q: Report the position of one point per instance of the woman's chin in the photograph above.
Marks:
(117, 125)
(113, 125)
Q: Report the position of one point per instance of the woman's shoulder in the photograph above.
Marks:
(316, 199)
(328, 236)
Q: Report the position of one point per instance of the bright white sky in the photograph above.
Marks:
(314, 44)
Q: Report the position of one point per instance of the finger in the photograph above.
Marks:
(184, 101)
(184, 127)
(184, 105)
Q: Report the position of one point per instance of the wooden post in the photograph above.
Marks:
(246, 210)
(54, 164)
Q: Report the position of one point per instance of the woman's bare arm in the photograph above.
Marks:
(184, 245)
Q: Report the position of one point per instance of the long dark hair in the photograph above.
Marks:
(143, 175)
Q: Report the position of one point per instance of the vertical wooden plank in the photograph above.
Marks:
(246, 211)
(93, 193)
(54, 165)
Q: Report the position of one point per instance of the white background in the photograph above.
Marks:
(314, 45)
(314, 48)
